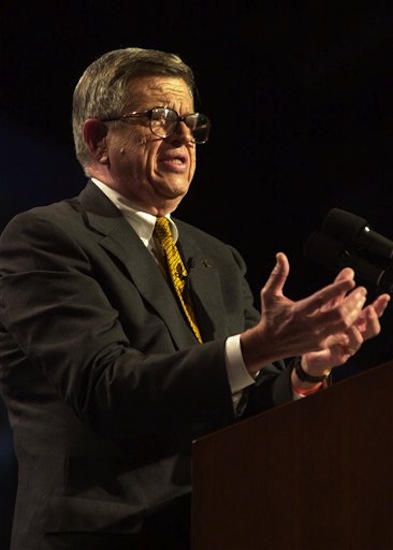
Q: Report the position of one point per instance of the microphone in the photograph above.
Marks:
(190, 265)
(355, 232)
(334, 254)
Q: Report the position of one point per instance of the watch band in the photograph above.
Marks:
(305, 377)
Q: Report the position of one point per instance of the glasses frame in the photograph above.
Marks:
(179, 118)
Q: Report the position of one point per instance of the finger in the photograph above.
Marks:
(340, 353)
(340, 317)
(327, 297)
(368, 323)
(276, 281)
(329, 356)
(355, 340)
(339, 348)
(345, 273)
(381, 303)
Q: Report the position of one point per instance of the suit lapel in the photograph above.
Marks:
(121, 241)
(205, 287)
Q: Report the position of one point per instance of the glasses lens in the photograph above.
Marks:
(200, 127)
(163, 121)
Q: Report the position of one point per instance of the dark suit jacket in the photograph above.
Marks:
(105, 384)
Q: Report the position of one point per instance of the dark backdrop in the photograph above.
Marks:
(300, 95)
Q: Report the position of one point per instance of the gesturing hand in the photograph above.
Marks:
(366, 326)
(329, 322)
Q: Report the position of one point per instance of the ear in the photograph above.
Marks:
(94, 135)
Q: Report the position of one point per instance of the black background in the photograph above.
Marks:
(299, 93)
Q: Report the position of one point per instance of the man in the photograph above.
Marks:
(109, 370)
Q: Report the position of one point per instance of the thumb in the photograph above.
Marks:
(275, 284)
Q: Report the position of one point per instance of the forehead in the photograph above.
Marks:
(151, 91)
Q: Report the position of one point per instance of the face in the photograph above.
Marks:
(151, 172)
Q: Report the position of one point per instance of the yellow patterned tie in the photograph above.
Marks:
(176, 269)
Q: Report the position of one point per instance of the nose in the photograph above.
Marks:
(182, 131)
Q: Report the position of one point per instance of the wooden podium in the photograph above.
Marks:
(315, 474)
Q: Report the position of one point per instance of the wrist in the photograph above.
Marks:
(254, 351)
(304, 376)
(304, 392)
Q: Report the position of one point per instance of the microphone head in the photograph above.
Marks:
(343, 225)
(356, 233)
(333, 254)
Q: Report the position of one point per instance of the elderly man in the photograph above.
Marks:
(126, 333)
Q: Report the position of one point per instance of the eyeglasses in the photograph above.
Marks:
(163, 122)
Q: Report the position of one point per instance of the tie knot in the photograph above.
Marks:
(162, 228)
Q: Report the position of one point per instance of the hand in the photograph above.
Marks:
(317, 323)
(366, 326)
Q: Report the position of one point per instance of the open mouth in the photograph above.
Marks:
(174, 161)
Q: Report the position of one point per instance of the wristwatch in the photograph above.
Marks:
(305, 377)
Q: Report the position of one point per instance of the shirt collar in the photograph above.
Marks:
(142, 222)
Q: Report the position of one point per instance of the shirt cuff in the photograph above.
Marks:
(238, 376)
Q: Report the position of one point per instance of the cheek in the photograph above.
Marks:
(129, 150)
(128, 143)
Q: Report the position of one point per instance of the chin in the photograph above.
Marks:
(175, 189)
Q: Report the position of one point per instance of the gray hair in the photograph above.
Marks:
(103, 91)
